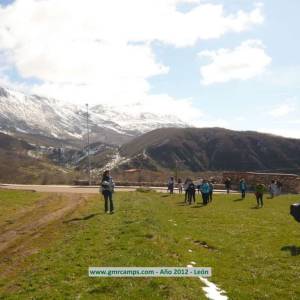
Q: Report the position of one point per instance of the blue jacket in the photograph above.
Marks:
(243, 186)
(205, 188)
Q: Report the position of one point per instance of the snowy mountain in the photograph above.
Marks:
(35, 115)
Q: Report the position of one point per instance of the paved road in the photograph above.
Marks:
(78, 189)
(60, 188)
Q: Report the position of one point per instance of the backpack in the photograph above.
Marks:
(106, 185)
(191, 187)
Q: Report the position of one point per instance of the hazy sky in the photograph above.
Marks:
(232, 63)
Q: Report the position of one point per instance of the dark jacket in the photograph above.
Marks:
(107, 184)
(191, 187)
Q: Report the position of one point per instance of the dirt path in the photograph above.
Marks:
(30, 223)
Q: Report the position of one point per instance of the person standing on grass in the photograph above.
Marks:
(199, 185)
(243, 188)
(228, 185)
(180, 186)
(186, 187)
(211, 191)
(107, 189)
(205, 192)
(199, 188)
(279, 187)
(191, 192)
(171, 185)
(259, 193)
(273, 189)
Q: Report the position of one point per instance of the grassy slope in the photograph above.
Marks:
(246, 258)
(13, 201)
(16, 166)
(20, 168)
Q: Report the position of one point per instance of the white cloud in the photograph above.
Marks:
(288, 133)
(101, 51)
(286, 76)
(283, 109)
(244, 62)
(295, 122)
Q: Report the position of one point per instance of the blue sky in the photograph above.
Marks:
(250, 99)
(6, 2)
(170, 59)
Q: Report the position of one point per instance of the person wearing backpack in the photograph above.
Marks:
(180, 186)
(228, 185)
(279, 187)
(186, 187)
(243, 188)
(171, 185)
(205, 192)
(273, 189)
(191, 192)
(107, 188)
(259, 193)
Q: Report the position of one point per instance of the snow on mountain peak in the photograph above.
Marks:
(55, 118)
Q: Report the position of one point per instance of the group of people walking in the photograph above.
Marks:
(274, 189)
(204, 187)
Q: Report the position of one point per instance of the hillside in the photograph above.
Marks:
(9, 143)
(19, 163)
(214, 149)
(157, 152)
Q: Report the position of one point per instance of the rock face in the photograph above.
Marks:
(214, 149)
(3, 93)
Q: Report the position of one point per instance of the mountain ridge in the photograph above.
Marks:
(36, 115)
(214, 149)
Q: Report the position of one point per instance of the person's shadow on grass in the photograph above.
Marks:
(199, 206)
(236, 200)
(85, 218)
(295, 251)
(256, 207)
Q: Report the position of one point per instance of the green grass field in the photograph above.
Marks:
(253, 252)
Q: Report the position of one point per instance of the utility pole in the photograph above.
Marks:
(88, 143)
(177, 162)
